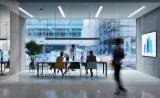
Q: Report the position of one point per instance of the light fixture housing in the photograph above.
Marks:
(99, 10)
(135, 12)
(61, 11)
(24, 11)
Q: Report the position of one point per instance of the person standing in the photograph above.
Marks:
(118, 55)
(73, 53)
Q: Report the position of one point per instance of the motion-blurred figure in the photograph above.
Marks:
(118, 55)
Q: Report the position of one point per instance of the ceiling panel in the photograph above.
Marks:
(86, 10)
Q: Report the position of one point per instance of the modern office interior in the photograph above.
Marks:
(40, 31)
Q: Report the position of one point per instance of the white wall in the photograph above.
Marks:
(22, 29)
(14, 43)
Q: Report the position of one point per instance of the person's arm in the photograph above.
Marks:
(56, 59)
(95, 59)
(123, 55)
(87, 59)
(63, 59)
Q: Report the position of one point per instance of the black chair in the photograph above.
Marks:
(75, 65)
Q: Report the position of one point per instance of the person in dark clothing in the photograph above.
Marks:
(118, 55)
(90, 58)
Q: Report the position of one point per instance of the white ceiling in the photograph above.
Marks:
(86, 10)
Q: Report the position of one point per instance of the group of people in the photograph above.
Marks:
(90, 58)
(118, 55)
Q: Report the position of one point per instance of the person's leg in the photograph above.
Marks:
(51, 67)
(54, 68)
(118, 80)
(86, 69)
(91, 72)
(66, 68)
(61, 71)
(116, 75)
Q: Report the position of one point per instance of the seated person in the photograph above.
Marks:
(60, 59)
(90, 58)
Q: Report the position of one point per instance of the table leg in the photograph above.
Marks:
(106, 69)
(4, 66)
(103, 68)
(42, 68)
(38, 70)
(1, 68)
(80, 70)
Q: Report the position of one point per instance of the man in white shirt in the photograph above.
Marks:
(73, 53)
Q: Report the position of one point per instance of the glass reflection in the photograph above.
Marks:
(104, 29)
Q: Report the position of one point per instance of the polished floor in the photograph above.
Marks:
(27, 85)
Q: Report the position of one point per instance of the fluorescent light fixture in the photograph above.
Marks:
(60, 9)
(25, 12)
(99, 10)
(136, 11)
(51, 29)
(109, 29)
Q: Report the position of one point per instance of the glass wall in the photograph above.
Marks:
(4, 40)
(87, 34)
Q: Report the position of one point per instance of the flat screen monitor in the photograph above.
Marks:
(149, 44)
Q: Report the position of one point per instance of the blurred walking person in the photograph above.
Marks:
(118, 55)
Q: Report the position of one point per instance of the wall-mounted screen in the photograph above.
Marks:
(149, 44)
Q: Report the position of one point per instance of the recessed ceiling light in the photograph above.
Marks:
(136, 11)
(99, 10)
(24, 11)
(60, 9)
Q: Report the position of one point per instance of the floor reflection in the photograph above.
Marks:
(147, 95)
(78, 94)
(4, 92)
(138, 85)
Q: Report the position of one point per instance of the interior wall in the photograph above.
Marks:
(22, 29)
(14, 43)
(148, 23)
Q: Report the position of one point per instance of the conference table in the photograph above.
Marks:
(51, 63)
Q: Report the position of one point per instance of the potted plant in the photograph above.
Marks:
(33, 49)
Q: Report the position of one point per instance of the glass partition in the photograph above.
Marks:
(103, 29)
(80, 27)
